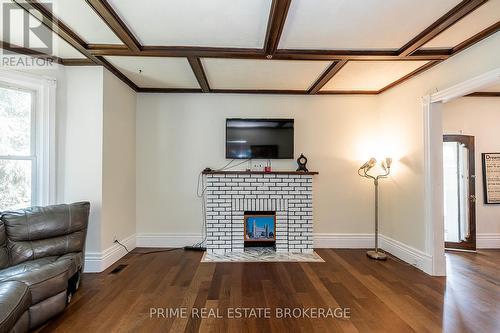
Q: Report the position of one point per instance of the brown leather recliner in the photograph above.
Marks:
(41, 259)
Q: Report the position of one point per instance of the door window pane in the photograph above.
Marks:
(15, 184)
(456, 191)
(15, 122)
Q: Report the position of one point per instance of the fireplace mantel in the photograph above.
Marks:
(233, 172)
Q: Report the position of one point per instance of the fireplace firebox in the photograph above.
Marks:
(259, 228)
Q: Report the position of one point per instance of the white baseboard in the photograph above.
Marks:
(400, 250)
(166, 239)
(343, 241)
(417, 258)
(488, 241)
(353, 241)
(96, 262)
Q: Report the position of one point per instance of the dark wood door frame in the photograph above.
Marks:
(470, 243)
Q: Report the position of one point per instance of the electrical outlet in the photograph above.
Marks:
(415, 262)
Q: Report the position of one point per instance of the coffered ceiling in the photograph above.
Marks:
(477, 21)
(262, 74)
(84, 21)
(370, 75)
(261, 46)
(216, 23)
(358, 24)
(156, 72)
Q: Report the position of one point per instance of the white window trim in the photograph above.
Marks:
(45, 122)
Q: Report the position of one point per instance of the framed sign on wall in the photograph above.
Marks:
(491, 178)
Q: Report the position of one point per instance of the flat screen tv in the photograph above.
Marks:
(259, 138)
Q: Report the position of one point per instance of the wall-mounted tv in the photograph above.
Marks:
(259, 138)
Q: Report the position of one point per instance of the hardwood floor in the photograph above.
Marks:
(382, 296)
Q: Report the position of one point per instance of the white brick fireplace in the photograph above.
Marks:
(288, 195)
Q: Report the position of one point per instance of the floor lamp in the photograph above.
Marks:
(363, 172)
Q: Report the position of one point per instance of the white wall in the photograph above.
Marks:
(96, 153)
(80, 145)
(118, 168)
(178, 135)
(401, 128)
(479, 117)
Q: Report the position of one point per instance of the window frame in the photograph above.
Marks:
(43, 143)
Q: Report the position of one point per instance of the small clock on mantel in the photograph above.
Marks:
(302, 161)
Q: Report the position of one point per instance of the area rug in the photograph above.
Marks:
(261, 255)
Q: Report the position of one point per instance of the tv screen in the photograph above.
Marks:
(259, 138)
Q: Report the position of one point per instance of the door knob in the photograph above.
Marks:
(472, 198)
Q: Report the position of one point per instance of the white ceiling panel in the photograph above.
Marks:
(480, 19)
(83, 20)
(64, 50)
(262, 74)
(156, 72)
(358, 24)
(370, 75)
(59, 47)
(217, 23)
(492, 88)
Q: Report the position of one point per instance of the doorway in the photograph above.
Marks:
(433, 163)
(459, 192)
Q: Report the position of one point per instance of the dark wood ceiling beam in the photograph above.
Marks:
(77, 62)
(46, 18)
(29, 52)
(261, 91)
(484, 94)
(257, 91)
(275, 24)
(169, 90)
(182, 51)
(107, 47)
(334, 68)
(432, 54)
(444, 22)
(248, 53)
(114, 22)
(288, 54)
(198, 71)
(347, 92)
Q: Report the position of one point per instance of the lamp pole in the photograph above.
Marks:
(363, 172)
(375, 181)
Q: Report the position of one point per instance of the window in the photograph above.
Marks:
(18, 161)
(27, 140)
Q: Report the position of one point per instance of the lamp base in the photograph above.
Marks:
(376, 255)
